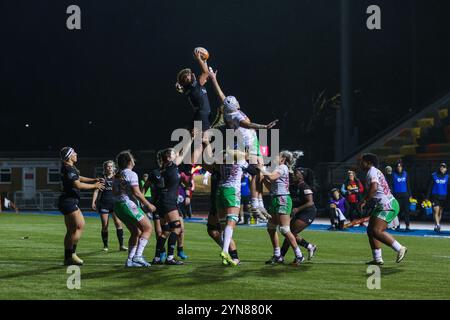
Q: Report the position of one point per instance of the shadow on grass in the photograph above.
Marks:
(387, 271)
(31, 273)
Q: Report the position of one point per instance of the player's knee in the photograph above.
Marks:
(377, 231)
(285, 230)
(175, 226)
(147, 228)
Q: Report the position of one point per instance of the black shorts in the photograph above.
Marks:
(205, 118)
(163, 207)
(307, 215)
(68, 205)
(437, 200)
(105, 207)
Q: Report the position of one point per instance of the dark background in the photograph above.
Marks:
(110, 85)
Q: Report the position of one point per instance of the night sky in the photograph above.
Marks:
(110, 85)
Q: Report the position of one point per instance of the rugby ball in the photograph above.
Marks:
(204, 54)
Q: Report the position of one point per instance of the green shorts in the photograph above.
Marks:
(228, 197)
(128, 212)
(281, 205)
(387, 215)
(252, 145)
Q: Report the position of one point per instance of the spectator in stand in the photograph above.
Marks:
(388, 176)
(352, 190)
(338, 208)
(437, 193)
(6, 204)
(402, 192)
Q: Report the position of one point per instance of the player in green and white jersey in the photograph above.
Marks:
(385, 210)
(281, 207)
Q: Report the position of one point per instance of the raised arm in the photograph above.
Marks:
(204, 67)
(250, 125)
(217, 89)
(272, 176)
(187, 146)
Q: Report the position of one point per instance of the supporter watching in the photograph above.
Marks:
(402, 192)
(338, 207)
(388, 176)
(6, 204)
(437, 193)
(352, 190)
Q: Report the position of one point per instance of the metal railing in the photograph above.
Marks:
(47, 200)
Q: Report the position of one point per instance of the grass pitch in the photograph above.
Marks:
(31, 268)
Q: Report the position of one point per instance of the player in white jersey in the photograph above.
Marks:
(228, 203)
(228, 197)
(127, 193)
(281, 208)
(385, 209)
(235, 119)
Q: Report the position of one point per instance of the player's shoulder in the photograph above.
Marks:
(130, 174)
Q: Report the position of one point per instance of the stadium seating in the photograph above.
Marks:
(428, 138)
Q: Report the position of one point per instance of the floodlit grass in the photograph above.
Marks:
(32, 268)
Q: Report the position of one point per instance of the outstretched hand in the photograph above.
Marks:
(272, 124)
(212, 74)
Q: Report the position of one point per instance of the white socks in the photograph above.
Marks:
(132, 252)
(277, 252)
(298, 252)
(261, 203)
(254, 203)
(227, 235)
(396, 246)
(141, 246)
(377, 254)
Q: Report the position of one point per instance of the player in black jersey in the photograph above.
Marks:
(194, 89)
(166, 195)
(72, 183)
(161, 231)
(103, 202)
(304, 210)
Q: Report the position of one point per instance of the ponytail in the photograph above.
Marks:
(288, 159)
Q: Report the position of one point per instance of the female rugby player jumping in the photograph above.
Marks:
(195, 90)
(103, 202)
(235, 119)
(72, 183)
(278, 182)
(127, 193)
(385, 209)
